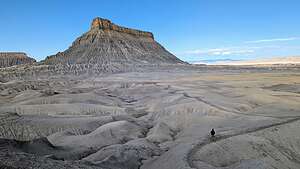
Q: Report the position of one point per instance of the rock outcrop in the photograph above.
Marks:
(107, 43)
(8, 59)
(104, 24)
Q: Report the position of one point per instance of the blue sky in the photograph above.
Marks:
(191, 29)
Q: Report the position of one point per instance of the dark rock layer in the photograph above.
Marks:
(8, 59)
(107, 43)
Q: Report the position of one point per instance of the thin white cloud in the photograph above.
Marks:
(230, 51)
(221, 51)
(274, 40)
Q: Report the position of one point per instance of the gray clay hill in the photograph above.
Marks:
(107, 43)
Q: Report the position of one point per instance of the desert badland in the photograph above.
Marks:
(117, 99)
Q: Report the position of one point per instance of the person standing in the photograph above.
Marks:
(212, 132)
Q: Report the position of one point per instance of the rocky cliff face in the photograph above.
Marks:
(104, 24)
(8, 59)
(107, 43)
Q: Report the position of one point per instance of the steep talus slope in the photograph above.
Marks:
(107, 43)
(8, 59)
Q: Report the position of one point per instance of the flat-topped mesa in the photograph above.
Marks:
(111, 45)
(105, 24)
(14, 58)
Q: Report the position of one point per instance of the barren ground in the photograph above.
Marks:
(154, 120)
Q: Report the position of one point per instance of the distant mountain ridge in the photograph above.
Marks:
(267, 61)
(108, 43)
(264, 61)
